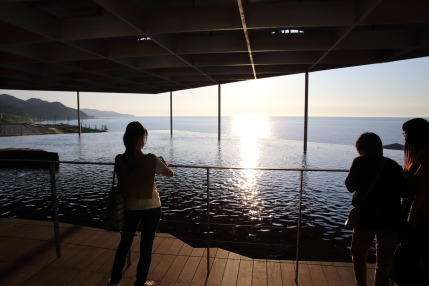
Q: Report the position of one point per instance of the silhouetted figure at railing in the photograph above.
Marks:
(416, 167)
(378, 184)
(136, 176)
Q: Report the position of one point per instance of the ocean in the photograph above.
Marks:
(247, 207)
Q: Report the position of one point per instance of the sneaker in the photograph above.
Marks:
(149, 283)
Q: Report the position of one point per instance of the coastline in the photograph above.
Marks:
(42, 129)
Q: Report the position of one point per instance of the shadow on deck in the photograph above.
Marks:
(27, 257)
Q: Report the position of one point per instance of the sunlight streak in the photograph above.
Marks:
(249, 129)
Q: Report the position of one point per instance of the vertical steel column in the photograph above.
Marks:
(208, 222)
(171, 113)
(55, 210)
(306, 113)
(78, 114)
(218, 112)
(298, 233)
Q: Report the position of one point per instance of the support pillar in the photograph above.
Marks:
(306, 113)
(171, 113)
(218, 112)
(78, 114)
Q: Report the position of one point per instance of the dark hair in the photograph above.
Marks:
(133, 132)
(369, 144)
(416, 132)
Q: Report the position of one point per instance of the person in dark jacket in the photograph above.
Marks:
(416, 166)
(377, 184)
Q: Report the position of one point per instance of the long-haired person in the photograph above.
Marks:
(416, 167)
(136, 177)
(378, 184)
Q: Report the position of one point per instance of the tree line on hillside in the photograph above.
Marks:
(17, 110)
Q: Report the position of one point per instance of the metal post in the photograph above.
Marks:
(55, 210)
(208, 222)
(219, 112)
(171, 113)
(78, 114)
(298, 233)
(306, 113)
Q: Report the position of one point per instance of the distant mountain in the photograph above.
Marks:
(37, 109)
(104, 114)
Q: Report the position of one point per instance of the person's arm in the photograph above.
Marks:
(167, 171)
(352, 180)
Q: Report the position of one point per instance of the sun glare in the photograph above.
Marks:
(251, 126)
(249, 129)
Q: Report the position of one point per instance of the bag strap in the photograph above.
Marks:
(375, 181)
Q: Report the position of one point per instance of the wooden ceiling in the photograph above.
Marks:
(142, 46)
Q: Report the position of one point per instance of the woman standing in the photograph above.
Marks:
(378, 184)
(416, 166)
(136, 176)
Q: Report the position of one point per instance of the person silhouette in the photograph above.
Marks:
(416, 167)
(136, 180)
(378, 184)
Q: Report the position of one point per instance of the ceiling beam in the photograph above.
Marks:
(362, 9)
(129, 12)
(246, 35)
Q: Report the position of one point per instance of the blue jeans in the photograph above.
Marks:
(149, 220)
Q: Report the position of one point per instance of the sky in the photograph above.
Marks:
(397, 89)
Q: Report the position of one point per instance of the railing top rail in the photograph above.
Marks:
(183, 166)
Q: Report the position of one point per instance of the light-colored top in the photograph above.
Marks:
(138, 186)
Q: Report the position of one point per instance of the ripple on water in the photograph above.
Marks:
(270, 201)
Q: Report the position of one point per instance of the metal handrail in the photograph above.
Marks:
(207, 168)
(183, 166)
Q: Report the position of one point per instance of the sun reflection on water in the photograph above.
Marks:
(250, 129)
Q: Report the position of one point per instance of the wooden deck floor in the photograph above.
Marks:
(27, 257)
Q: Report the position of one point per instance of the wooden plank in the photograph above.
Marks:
(156, 259)
(200, 275)
(259, 276)
(165, 245)
(345, 270)
(105, 261)
(174, 271)
(288, 272)
(198, 252)
(222, 253)
(245, 273)
(112, 240)
(274, 273)
(188, 271)
(331, 274)
(304, 277)
(216, 271)
(157, 242)
(231, 272)
(61, 276)
(175, 247)
(233, 255)
(163, 266)
(316, 273)
(186, 250)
